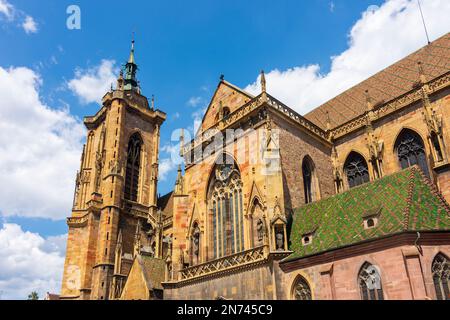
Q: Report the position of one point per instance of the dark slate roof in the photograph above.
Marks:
(153, 270)
(165, 204)
(386, 85)
(404, 201)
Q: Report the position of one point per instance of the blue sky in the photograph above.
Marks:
(311, 50)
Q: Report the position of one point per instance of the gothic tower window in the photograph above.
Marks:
(411, 150)
(133, 167)
(441, 276)
(301, 290)
(356, 169)
(226, 205)
(369, 281)
(309, 180)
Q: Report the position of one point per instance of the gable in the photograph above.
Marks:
(230, 96)
(135, 287)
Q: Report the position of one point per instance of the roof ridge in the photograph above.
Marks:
(433, 188)
(405, 63)
(407, 211)
(365, 184)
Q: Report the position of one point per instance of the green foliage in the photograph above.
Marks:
(33, 296)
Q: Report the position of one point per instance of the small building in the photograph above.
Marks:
(51, 296)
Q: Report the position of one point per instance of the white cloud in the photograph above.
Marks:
(167, 165)
(40, 149)
(29, 25)
(379, 38)
(6, 8)
(90, 85)
(332, 6)
(195, 101)
(29, 262)
(12, 14)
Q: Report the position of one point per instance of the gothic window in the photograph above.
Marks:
(441, 276)
(308, 180)
(133, 167)
(356, 169)
(411, 150)
(301, 290)
(369, 281)
(226, 201)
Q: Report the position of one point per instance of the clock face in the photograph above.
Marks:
(223, 172)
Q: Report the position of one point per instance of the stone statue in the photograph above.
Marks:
(260, 229)
(280, 241)
(196, 241)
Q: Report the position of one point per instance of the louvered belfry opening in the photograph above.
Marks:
(133, 167)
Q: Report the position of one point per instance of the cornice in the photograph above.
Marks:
(390, 107)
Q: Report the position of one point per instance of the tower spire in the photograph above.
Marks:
(130, 80)
(263, 81)
(131, 59)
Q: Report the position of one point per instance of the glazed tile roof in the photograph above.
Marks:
(405, 201)
(165, 204)
(153, 270)
(386, 85)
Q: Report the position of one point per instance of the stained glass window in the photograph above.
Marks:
(356, 170)
(307, 170)
(411, 150)
(225, 192)
(441, 276)
(302, 291)
(369, 281)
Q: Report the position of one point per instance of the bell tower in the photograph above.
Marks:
(115, 193)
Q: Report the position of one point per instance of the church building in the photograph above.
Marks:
(349, 201)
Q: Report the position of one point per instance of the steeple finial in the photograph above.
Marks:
(328, 121)
(263, 81)
(368, 100)
(153, 102)
(131, 59)
(423, 78)
(181, 141)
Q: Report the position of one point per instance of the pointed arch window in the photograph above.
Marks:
(441, 276)
(411, 150)
(369, 281)
(309, 180)
(301, 290)
(356, 170)
(226, 201)
(133, 167)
